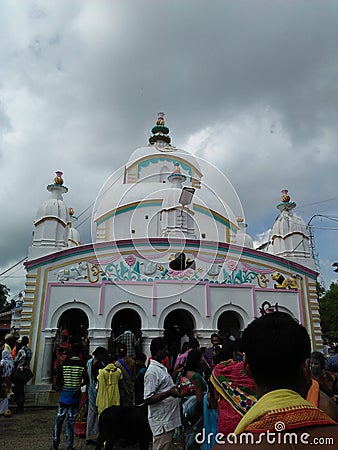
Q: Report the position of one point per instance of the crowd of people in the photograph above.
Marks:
(197, 397)
(15, 366)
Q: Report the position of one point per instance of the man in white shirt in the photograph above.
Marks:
(160, 393)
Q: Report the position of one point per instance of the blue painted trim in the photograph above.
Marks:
(155, 160)
(127, 208)
(215, 216)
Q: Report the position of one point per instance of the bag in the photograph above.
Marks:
(22, 376)
(186, 387)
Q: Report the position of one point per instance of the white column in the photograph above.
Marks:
(98, 337)
(47, 359)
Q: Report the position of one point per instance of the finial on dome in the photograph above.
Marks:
(176, 177)
(58, 179)
(285, 195)
(160, 119)
(286, 204)
(71, 214)
(57, 185)
(160, 132)
(240, 222)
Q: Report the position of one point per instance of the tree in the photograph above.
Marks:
(4, 292)
(328, 308)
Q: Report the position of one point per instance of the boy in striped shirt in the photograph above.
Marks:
(74, 376)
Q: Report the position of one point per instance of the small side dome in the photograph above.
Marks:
(242, 238)
(54, 207)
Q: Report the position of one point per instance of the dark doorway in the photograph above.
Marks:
(72, 329)
(178, 326)
(75, 321)
(229, 323)
(126, 319)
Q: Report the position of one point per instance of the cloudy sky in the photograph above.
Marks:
(249, 85)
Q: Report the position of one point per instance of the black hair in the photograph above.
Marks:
(24, 340)
(276, 347)
(193, 360)
(185, 347)
(75, 350)
(213, 336)
(156, 345)
(318, 356)
(193, 343)
(227, 351)
(142, 357)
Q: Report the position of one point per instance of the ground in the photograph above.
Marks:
(33, 430)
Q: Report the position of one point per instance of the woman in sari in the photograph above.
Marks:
(235, 389)
(192, 386)
(97, 362)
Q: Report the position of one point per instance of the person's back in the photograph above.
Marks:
(128, 339)
(72, 376)
(282, 383)
(236, 391)
(127, 383)
(331, 363)
(108, 393)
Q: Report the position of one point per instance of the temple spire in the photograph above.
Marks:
(160, 132)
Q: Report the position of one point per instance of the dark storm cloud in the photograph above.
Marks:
(249, 85)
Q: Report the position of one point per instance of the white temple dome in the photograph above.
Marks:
(54, 207)
(135, 198)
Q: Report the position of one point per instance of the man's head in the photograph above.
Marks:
(331, 351)
(277, 351)
(228, 351)
(158, 348)
(317, 363)
(193, 343)
(214, 339)
(100, 353)
(24, 340)
(76, 348)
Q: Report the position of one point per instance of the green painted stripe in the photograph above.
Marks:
(209, 213)
(127, 208)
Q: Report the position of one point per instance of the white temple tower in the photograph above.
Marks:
(289, 235)
(53, 223)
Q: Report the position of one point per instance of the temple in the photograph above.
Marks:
(170, 247)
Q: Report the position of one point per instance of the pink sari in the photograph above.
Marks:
(237, 392)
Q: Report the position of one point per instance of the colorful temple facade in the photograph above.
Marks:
(169, 248)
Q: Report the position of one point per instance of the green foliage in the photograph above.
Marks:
(4, 292)
(328, 307)
(320, 290)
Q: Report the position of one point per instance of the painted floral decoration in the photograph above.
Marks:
(231, 265)
(130, 260)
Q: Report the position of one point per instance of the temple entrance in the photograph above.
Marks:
(75, 321)
(72, 328)
(178, 327)
(126, 319)
(229, 324)
(123, 320)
